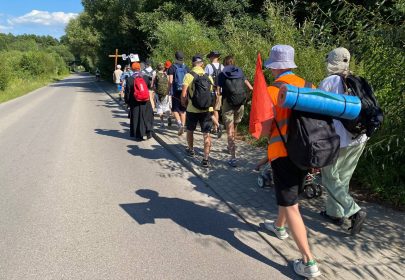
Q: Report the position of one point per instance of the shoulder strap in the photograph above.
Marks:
(344, 83)
(213, 67)
(194, 74)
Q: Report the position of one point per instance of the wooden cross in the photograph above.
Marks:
(116, 56)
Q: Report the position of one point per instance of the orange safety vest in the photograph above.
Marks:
(276, 146)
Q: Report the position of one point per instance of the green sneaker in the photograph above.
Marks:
(280, 232)
(309, 270)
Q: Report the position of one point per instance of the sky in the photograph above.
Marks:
(39, 17)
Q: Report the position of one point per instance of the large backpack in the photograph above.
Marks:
(234, 91)
(215, 73)
(179, 73)
(147, 75)
(141, 91)
(161, 86)
(202, 97)
(371, 115)
(311, 141)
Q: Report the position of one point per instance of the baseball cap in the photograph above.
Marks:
(281, 57)
(197, 58)
(179, 55)
(214, 53)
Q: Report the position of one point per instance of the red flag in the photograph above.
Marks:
(261, 113)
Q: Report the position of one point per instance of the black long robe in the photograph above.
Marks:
(141, 113)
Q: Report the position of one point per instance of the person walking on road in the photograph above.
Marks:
(97, 74)
(232, 83)
(159, 84)
(336, 177)
(117, 80)
(288, 178)
(176, 74)
(214, 69)
(197, 96)
(138, 98)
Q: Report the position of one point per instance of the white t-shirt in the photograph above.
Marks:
(333, 83)
(210, 70)
(117, 76)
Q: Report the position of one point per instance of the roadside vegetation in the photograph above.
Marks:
(28, 62)
(373, 31)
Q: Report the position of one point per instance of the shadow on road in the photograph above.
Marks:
(198, 219)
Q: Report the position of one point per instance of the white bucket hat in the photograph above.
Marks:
(281, 57)
(337, 61)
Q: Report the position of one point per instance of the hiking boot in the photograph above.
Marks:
(280, 232)
(190, 152)
(181, 130)
(335, 220)
(169, 122)
(357, 222)
(205, 163)
(232, 162)
(308, 270)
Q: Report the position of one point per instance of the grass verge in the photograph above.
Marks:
(19, 87)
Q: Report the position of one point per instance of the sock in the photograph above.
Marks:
(279, 228)
(179, 124)
(311, 263)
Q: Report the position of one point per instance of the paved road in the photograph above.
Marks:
(80, 200)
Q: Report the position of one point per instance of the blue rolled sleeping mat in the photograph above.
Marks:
(318, 101)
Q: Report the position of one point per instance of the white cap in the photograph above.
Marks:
(118, 66)
(281, 57)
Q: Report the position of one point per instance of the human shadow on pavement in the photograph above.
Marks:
(378, 248)
(157, 152)
(198, 219)
(114, 133)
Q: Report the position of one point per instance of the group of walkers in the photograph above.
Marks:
(186, 97)
(199, 95)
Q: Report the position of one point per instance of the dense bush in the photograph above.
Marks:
(372, 31)
(31, 57)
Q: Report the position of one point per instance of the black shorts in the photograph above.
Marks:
(288, 181)
(176, 103)
(204, 119)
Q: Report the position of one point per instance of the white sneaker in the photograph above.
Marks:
(306, 270)
(281, 233)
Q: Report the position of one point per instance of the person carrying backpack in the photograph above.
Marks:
(336, 177)
(233, 85)
(214, 69)
(176, 74)
(138, 97)
(288, 178)
(160, 85)
(149, 74)
(197, 96)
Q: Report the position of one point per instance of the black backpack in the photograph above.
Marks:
(312, 140)
(147, 76)
(234, 91)
(215, 73)
(202, 95)
(371, 115)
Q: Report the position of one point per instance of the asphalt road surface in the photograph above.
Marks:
(79, 199)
